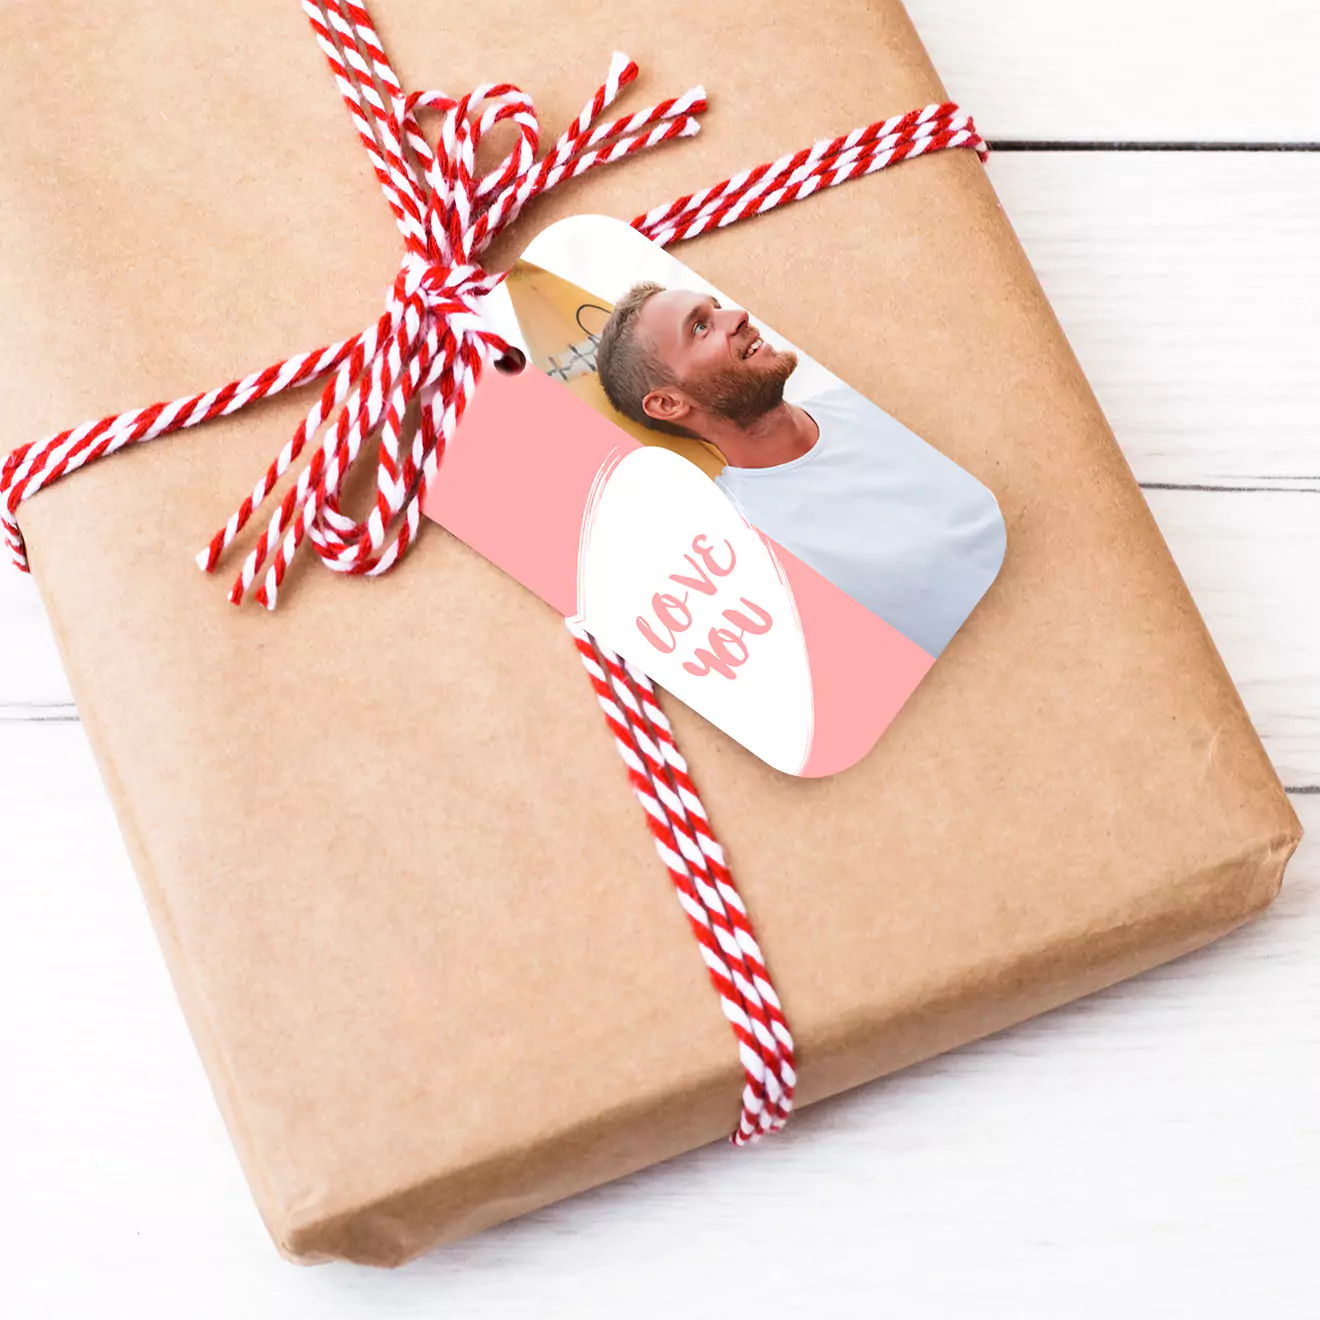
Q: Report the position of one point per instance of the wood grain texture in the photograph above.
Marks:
(1129, 70)
(1187, 285)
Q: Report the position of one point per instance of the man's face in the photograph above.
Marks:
(719, 360)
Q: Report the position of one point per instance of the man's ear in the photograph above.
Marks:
(666, 405)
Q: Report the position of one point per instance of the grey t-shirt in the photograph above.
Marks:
(881, 514)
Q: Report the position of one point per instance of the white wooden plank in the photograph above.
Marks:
(1249, 558)
(1152, 1150)
(1116, 70)
(32, 682)
(1189, 286)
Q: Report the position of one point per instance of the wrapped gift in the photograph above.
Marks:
(432, 964)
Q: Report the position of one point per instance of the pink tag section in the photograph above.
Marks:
(862, 670)
(626, 530)
(517, 480)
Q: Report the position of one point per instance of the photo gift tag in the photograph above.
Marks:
(734, 520)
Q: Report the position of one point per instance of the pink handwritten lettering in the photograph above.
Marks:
(725, 650)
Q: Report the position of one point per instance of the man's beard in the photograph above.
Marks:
(743, 396)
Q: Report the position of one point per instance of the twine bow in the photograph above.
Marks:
(430, 343)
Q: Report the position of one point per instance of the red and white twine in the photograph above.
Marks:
(695, 861)
(430, 344)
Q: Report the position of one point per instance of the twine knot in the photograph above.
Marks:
(450, 292)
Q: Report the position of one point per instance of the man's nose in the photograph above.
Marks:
(734, 320)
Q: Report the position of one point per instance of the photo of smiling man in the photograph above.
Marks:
(834, 479)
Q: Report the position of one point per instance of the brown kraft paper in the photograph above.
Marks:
(435, 970)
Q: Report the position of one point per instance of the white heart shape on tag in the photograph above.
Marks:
(642, 533)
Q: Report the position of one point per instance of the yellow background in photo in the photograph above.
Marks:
(560, 324)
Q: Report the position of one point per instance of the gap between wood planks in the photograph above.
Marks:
(1046, 144)
(65, 712)
(1241, 490)
(39, 712)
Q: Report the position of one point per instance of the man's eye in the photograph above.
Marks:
(698, 325)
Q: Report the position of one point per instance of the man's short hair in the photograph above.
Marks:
(629, 368)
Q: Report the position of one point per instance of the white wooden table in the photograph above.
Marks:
(1153, 1151)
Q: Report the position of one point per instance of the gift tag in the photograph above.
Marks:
(772, 548)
